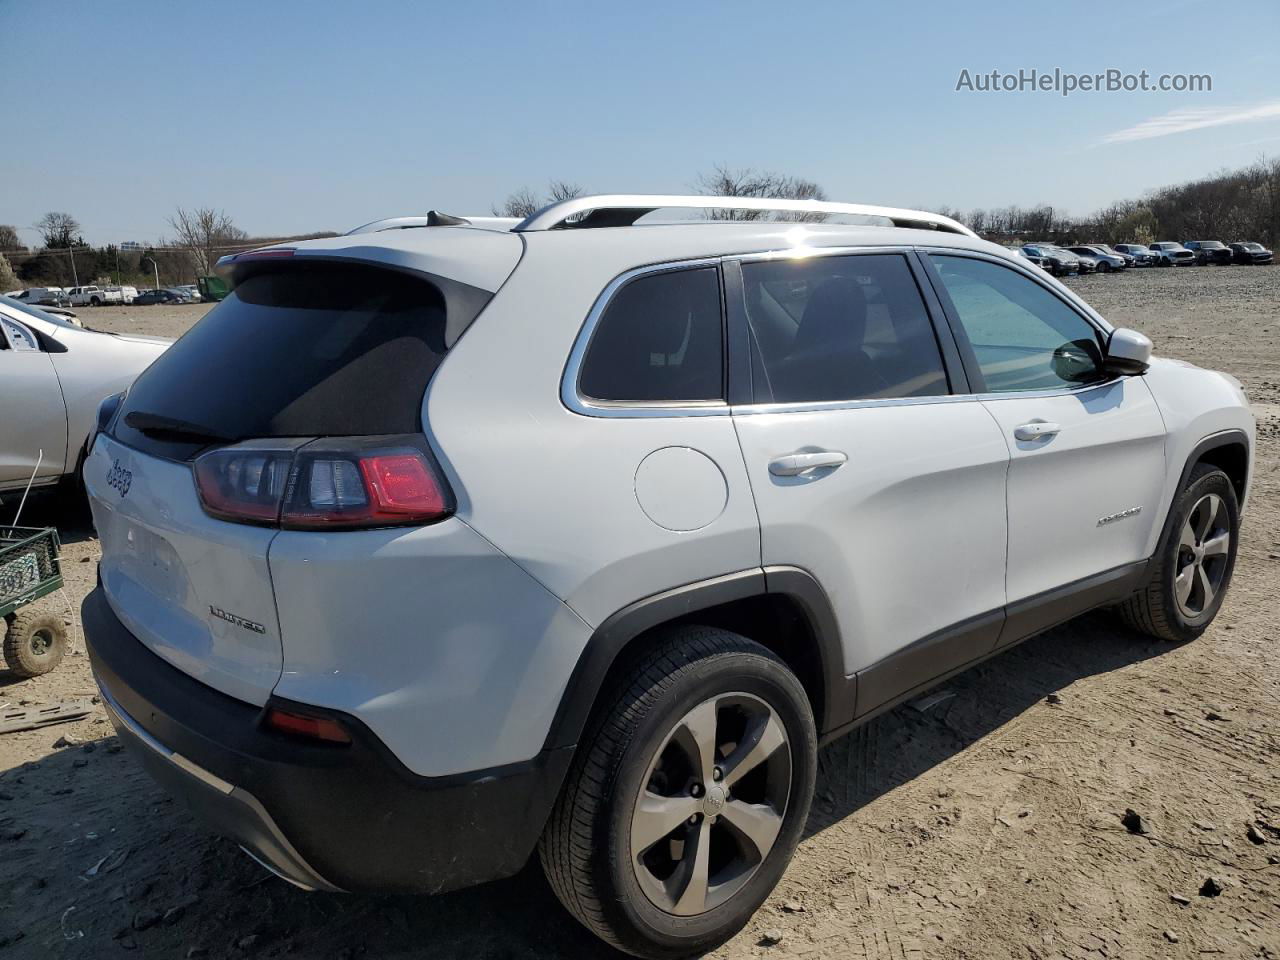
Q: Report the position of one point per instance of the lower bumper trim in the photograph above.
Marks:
(232, 811)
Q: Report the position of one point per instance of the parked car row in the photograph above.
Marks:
(1103, 258)
(93, 295)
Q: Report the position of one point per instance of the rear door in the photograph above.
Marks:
(195, 590)
(870, 468)
(299, 350)
(33, 438)
(1087, 451)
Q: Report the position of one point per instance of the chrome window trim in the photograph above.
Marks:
(873, 402)
(570, 393)
(575, 401)
(813, 253)
(1035, 275)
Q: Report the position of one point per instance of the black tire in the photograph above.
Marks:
(34, 642)
(1154, 608)
(586, 848)
(73, 499)
(1104, 268)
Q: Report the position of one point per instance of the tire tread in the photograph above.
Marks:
(566, 848)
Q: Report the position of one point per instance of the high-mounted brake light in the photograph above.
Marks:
(332, 483)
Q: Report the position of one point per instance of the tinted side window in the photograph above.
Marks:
(660, 339)
(1022, 336)
(839, 328)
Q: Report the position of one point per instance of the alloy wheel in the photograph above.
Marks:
(711, 805)
(1203, 552)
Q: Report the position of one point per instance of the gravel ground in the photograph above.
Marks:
(988, 826)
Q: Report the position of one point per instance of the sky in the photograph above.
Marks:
(304, 115)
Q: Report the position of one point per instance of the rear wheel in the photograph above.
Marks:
(687, 798)
(34, 642)
(1192, 567)
(95, 302)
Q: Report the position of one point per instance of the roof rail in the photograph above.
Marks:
(434, 218)
(622, 210)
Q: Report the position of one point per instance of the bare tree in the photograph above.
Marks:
(8, 279)
(207, 233)
(559, 190)
(524, 202)
(9, 238)
(520, 204)
(726, 182)
(59, 230)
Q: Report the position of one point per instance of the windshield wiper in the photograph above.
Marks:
(160, 426)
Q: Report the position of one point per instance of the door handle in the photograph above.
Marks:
(1036, 430)
(798, 464)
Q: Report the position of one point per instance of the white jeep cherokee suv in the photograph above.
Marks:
(447, 540)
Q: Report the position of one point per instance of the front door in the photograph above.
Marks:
(34, 428)
(1087, 451)
(867, 471)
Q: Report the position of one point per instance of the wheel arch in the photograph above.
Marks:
(782, 608)
(1230, 452)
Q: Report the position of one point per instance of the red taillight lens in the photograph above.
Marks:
(308, 727)
(403, 485)
(333, 483)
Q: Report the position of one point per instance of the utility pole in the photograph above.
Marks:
(75, 277)
(157, 266)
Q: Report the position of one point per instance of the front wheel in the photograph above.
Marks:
(686, 800)
(1192, 568)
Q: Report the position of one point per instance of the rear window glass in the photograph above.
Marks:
(302, 350)
(660, 339)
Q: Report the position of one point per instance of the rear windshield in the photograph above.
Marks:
(301, 351)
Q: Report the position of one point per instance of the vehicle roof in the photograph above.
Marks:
(484, 256)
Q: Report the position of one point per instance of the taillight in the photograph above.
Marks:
(106, 413)
(331, 483)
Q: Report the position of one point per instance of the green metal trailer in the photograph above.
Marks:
(30, 568)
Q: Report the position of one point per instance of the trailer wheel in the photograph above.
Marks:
(34, 642)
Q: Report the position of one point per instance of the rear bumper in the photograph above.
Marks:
(323, 817)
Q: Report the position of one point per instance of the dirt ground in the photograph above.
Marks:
(985, 826)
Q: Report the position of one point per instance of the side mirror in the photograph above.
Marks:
(1077, 361)
(1128, 353)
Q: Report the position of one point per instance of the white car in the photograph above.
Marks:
(96, 296)
(1169, 253)
(44, 296)
(450, 541)
(53, 376)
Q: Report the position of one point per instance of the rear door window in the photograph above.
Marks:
(302, 350)
(660, 339)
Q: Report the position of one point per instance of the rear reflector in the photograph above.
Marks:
(332, 483)
(307, 727)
